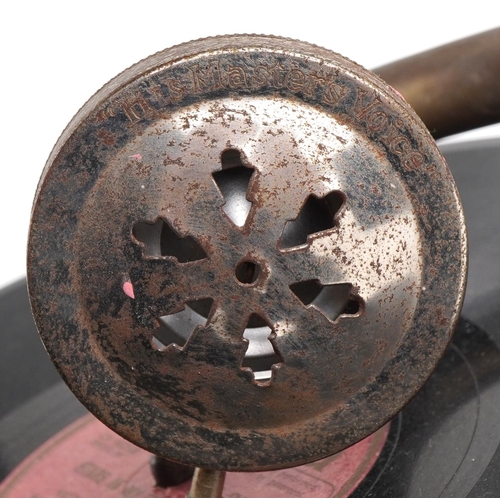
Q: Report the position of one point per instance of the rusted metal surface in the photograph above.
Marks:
(246, 195)
(453, 88)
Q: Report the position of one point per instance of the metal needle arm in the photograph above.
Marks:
(207, 484)
(453, 88)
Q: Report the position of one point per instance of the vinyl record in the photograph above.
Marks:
(447, 440)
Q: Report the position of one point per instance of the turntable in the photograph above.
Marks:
(235, 303)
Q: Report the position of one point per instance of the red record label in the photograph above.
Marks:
(89, 460)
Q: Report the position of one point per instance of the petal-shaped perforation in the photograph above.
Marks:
(262, 354)
(316, 215)
(176, 328)
(331, 300)
(233, 181)
(160, 239)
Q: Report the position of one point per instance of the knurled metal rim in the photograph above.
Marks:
(74, 321)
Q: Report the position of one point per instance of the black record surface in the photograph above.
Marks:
(34, 402)
(442, 443)
(446, 442)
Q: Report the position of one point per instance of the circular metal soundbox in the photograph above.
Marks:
(246, 253)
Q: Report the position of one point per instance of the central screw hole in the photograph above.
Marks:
(247, 272)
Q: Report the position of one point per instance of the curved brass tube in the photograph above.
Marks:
(453, 88)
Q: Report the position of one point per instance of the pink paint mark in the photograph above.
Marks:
(399, 94)
(128, 288)
(136, 157)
